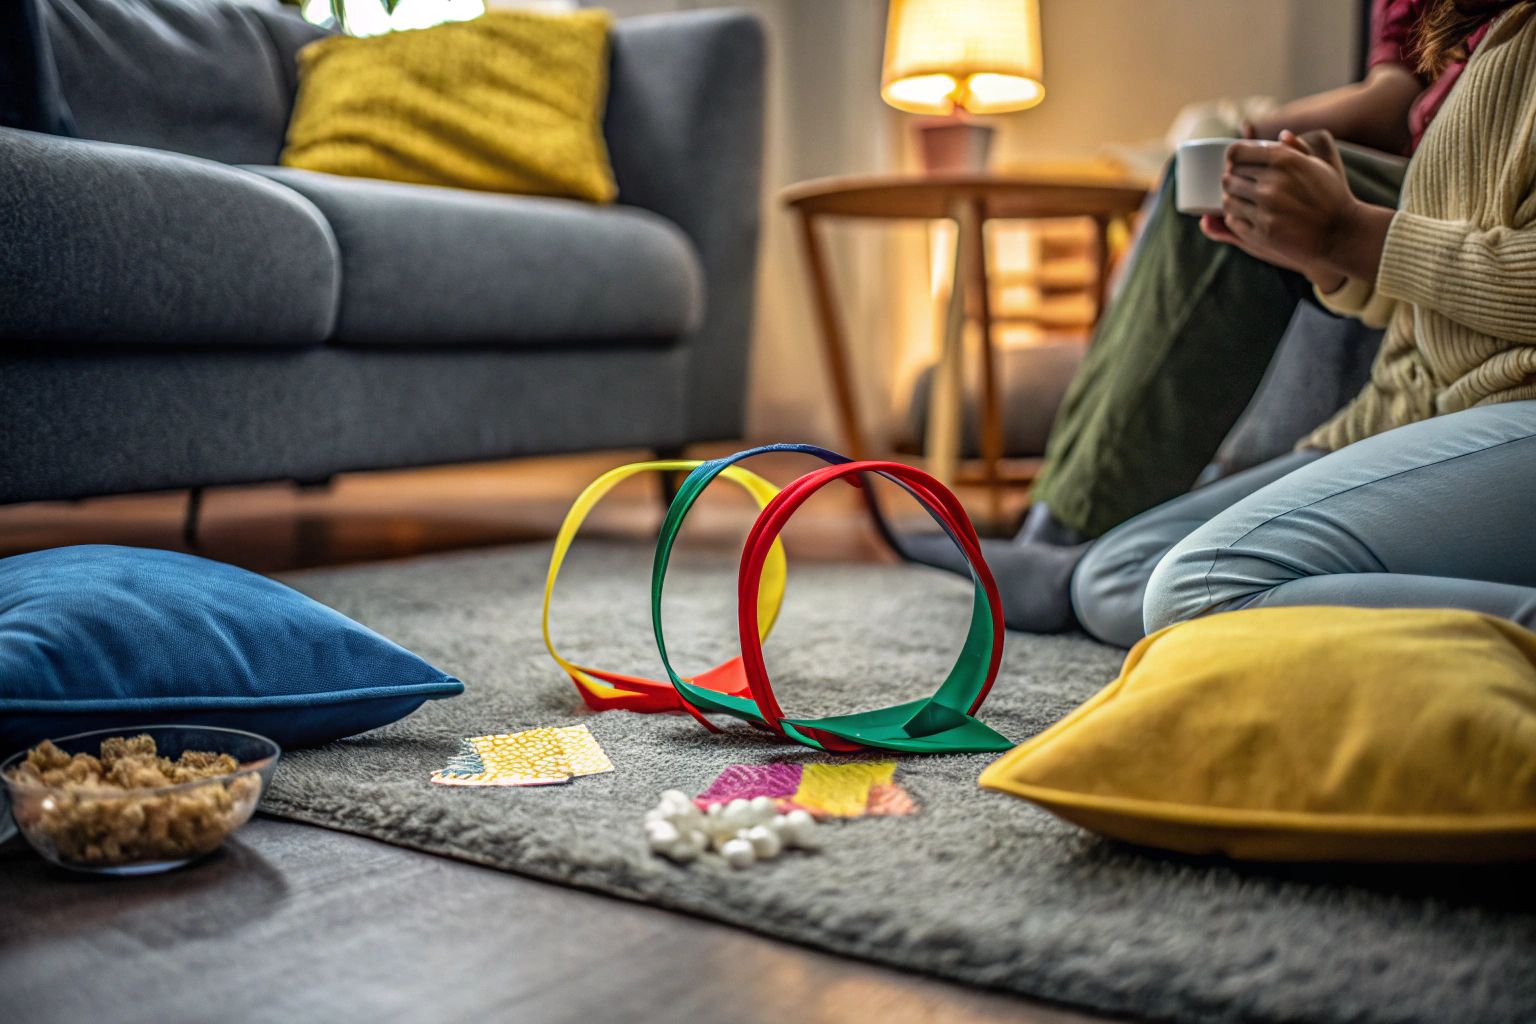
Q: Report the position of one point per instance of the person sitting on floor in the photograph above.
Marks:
(1183, 348)
(1425, 499)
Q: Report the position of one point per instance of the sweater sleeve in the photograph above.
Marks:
(1480, 279)
(1361, 300)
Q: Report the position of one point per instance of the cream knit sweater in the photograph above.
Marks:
(1456, 289)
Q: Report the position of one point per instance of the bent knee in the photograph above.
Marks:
(1177, 590)
(1197, 578)
(1111, 579)
(1106, 596)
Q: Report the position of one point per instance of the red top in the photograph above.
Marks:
(1392, 25)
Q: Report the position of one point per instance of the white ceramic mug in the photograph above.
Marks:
(1201, 165)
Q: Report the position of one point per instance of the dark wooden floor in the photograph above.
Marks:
(293, 924)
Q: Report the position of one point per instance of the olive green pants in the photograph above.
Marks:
(1173, 363)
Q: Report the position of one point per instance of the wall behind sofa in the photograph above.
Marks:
(1116, 71)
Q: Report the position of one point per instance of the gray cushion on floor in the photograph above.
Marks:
(1032, 381)
(206, 79)
(107, 243)
(1322, 363)
(424, 265)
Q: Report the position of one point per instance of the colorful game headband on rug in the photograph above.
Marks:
(605, 691)
(942, 723)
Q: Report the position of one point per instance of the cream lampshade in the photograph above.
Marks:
(943, 56)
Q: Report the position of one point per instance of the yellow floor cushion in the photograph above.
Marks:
(509, 102)
(1304, 734)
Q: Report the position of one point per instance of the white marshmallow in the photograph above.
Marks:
(689, 847)
(799, 829)
(738, 853)
(766, 843)
(717, 827)
(689, 814)
(740, 814)
(661, 834)
(742, 831)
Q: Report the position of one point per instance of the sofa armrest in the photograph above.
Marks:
(101, 243)
(684, 128)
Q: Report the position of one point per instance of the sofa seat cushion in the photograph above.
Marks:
(423, 265)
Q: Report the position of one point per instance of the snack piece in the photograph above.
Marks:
(117, 808)
(117, 747)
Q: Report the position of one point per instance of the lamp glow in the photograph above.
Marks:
(981, 55)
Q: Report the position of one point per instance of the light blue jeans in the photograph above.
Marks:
(1438, 514)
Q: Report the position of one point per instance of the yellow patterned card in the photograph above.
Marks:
(536, 757)
(582, 751)
(842, 789)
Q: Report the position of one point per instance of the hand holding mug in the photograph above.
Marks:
(1288, 204)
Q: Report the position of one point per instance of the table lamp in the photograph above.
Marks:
(945, 56)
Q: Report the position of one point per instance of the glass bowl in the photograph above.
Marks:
(115, 831)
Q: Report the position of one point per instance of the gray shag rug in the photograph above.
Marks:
(977, 887)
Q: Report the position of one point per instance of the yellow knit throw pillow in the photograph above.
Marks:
(1304, 734)
(509, 102)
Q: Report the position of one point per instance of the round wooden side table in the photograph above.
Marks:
(970, 200)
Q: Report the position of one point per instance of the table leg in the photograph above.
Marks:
(942, 445)
(832, 345)
(991, 404)
(1101, 287)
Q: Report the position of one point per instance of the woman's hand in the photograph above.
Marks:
(1289, 204)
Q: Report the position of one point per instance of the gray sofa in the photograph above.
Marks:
(176, 311)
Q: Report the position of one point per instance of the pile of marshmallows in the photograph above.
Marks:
(742, 831)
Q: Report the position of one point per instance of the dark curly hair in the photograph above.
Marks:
(1442, 33)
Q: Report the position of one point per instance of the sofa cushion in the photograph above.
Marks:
(209, 78)
(116, 244)
(98, 636)
(425, 266)
(30, 96)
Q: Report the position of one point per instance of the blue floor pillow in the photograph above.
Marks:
(97, 636)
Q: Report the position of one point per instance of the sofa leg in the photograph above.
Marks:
(189, 521)
(672, 479)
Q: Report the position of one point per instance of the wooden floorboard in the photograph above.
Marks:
(290, 923)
